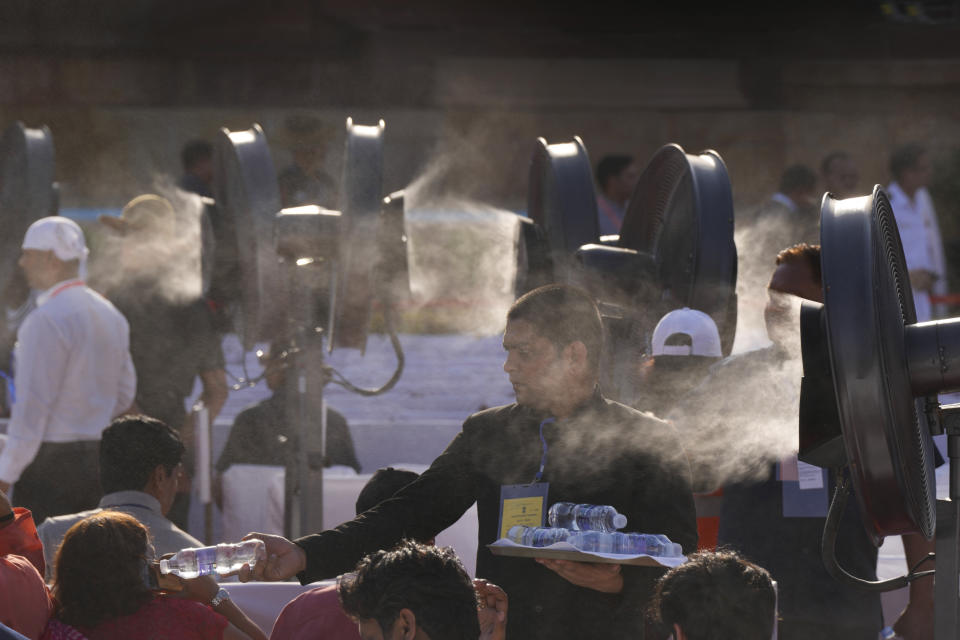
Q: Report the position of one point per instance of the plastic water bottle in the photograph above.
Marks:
(221, 559)
(630, 544)
(537, 536)
(593, 541)
(585, 517)
(647, 544)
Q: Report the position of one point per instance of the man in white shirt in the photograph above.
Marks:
(917, 222)
(73, 374)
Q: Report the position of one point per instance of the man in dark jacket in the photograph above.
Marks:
(560, 431)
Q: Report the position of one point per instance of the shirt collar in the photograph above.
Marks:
(130, 499)
(785, 201)
(44, 296)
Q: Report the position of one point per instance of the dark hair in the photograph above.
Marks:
(830, 158)
(610, 167)
(803, 252)
(99, 569)
(563, 314)
(427, 580)
(194, 152)
(798, 177)
(905, 157)
(131, 448)
(716, 596)
(382, 485)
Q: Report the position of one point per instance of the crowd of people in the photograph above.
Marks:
(110, 502)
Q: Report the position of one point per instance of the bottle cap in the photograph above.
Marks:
(619, 521)
(165, 567)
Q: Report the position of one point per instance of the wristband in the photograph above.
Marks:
(222, 595)
(7, 518)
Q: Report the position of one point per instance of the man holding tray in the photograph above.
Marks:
(561, 441)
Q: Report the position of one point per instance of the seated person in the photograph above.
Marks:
(100, 589)
(140, 467)
(419, 592)
(25, 604)
(716, 596)
(263, 434)
(316, 614)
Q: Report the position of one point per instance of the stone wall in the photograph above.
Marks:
(471, 121)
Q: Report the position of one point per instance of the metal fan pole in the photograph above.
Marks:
(307, 407)
(945, 604)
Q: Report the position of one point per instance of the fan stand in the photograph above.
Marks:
(946, 591)
(305, 511)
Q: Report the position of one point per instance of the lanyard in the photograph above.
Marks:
(610, 214)
(11, 389)
(543, 456)
(64, 287)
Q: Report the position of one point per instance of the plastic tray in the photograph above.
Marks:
(565, 551)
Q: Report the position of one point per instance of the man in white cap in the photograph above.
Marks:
(73, 375)
(684, 345)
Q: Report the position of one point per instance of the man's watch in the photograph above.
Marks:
(218, 599)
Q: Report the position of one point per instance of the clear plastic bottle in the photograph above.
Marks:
(630, 544)
(593, 541)
(221, 559)
(537, 536)
(585, 517)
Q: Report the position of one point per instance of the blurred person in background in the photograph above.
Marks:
(74, 373)
(101, 590)
(617, 176)
(768, 515)
(685, 343)
(172, 337)
(792, 214)
(421, 592)
(265, 434)
(141, 462)
(839, 174)
(316, 614)
(306, 181)
(197, 160)
(911, 170)
(716, 596)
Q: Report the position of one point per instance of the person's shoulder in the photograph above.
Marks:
(312, 610)
(309, 604)
(61, 523)
(254, 412)
(103, 304)
(497, 417)
(619, 413)
(168, 537)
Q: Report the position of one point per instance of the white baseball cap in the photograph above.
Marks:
(698, 326)
(61, 235)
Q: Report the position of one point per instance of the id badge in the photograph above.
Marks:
(522, 504)
(804, 487)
